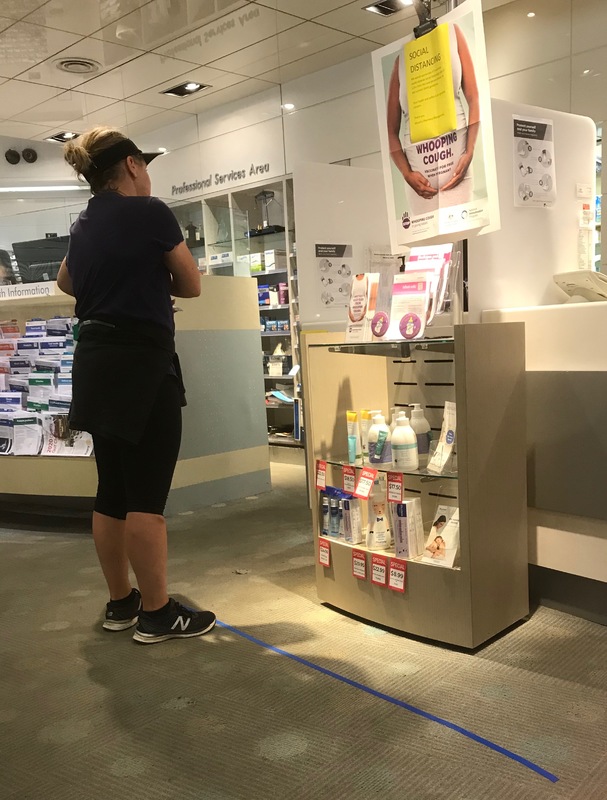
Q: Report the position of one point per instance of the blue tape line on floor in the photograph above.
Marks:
(394, 701)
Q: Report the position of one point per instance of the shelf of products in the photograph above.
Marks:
(250, 232)
(432, 543)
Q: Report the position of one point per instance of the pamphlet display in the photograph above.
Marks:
(443, 541)
(390, 307)
(36, 390)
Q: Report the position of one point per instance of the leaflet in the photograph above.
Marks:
(6, 433)
(60, 440)
(443, 541)
(27, 434)
(435, 261)
(410, 301)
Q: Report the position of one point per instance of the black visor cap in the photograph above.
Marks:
(118, 152)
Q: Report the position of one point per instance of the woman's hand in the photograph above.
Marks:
(420, 184)
(460, 172)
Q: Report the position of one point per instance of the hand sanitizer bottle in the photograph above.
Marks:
(404, 445)
(422, 429)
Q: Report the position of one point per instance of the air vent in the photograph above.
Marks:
(78, 66)
(386, 8)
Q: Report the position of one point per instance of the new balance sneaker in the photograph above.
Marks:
(177, 622)
(123, 614)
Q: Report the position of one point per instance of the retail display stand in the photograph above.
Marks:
(224, 453)
(482, 369)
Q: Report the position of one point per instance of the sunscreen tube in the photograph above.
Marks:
(365, 424)
(354, 439)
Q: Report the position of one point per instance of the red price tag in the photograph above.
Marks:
(349, 479)
(321, 474)
(395, 487)
(324, 552)
(398, 575)
(359, 564)
(365, 483)
(379, 570)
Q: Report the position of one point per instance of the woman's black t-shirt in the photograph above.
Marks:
(115, 258)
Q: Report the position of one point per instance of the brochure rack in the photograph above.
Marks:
(224, 452)
(482, 369)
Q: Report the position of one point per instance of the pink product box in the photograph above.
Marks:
(283, 294)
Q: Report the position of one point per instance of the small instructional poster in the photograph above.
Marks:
(334, 269)
(534, 167)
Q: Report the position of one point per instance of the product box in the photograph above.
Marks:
(256, 263)
(28, 347)
(220, 259)
(272, 325)
(10, 401)
(275, 259)
(9, 329)
(202, 266)
(277, 365)
(263, 294)
(283, 294)
(8, 347)
(273, 293)
(6, 434)
(59, 326)
(283, 325)
(408, 528)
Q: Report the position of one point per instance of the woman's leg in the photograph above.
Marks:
(148, 471)
(109, 517)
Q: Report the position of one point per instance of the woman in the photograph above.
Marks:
(126, 258)
(426, 174)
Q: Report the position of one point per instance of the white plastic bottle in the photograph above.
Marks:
(378, 537)
(423, 431)
(404, 445)
(395, 412)
(380, 441)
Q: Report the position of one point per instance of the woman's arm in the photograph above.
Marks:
(64, 282)
(470, 89)
(416, 180)
(184, 272)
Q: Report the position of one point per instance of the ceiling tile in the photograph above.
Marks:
(394, 32)
(107, 56)
(21, 130)
(308, 9)
(229, 34)
(154, 123)
(59, 110)
(539, 86)
(327, 58)
(509, 23)
(5, 22)
(18, 96)
(17, 9)
(290, 45)
(355, 20)
(586, 34)
(82, 16)
(138, 75)
(23, 45)
(214, 78)
(159, 22)
(246, 88)
(117, 115)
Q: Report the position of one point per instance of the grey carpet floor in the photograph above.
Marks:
(86, 715)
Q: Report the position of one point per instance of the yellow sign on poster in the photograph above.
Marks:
(430, 85)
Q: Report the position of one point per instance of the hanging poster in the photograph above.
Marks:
(534, 172)
(335, 270)
(436, 132)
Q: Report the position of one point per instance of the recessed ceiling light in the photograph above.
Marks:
(288, 106)
(531, 14)
(62, 136)
(185, 89)
(162, 150)
(386, 8)
(586, 71)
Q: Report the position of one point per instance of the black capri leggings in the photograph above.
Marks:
(137, 477)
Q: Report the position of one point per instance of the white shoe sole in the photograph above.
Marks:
(152, 638)
(123, 625)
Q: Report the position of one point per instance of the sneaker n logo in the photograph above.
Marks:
(182, 622)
